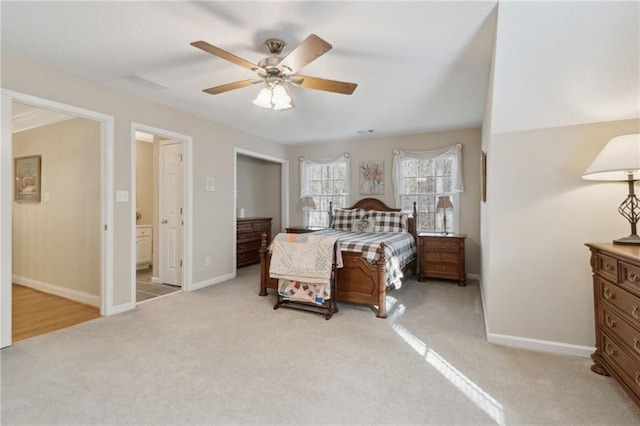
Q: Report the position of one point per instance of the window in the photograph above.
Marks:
(422, 177)
(327, 182)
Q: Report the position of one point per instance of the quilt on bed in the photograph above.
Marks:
(400, 249)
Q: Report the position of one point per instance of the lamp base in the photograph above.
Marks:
(632, 239)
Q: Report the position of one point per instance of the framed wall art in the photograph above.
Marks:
(27, 177)
(483, 175)
(372, 177)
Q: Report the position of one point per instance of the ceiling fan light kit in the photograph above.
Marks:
(276, 72)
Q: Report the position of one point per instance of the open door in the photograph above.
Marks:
(171, 210)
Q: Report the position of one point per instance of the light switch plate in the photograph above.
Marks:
(122, 196)
(210, 184)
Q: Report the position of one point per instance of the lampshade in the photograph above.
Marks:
(280, 98)
(444, 202)
(264, 98)
(308, 202)
(619, 160)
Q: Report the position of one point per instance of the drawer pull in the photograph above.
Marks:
(441, 267)
(608, 266)
(609, 350)
(609, 321)
(634, 312)
(635, 345)
(608, 293)
(632, 276)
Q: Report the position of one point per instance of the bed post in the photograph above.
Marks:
(330, 213)
(414, 231)
(382, 283)
(263, 265)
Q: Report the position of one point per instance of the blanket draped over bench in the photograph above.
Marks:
(303, 263)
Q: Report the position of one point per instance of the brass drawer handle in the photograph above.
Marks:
(632, 276)
(441, 267)
(635, 345)
(608, 266)
(609, 321)
(634, 312)
(608, 293)
(609, 350)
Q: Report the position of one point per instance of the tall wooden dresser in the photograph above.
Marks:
(249, 234)
(616, 292)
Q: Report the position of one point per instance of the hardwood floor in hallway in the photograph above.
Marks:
(35, 312)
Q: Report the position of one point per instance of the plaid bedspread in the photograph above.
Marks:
(399, 249)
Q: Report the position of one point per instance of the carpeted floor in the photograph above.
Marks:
(222, 355)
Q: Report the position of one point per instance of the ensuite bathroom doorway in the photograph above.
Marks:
(159, 215)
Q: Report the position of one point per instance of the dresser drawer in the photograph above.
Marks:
(441, 244)
(626, 367)
(249, 236)
(248, 257)
(145, 231)
(629, 277)
(442, 256)
(626, 303)
(249, 246)
(614, 325)
(244, 227)
(442, 270)
(607, 267)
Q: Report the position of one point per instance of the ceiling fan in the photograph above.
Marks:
(276, 72)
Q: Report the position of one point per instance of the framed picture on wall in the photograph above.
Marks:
(372, 177)
(27, 177)
(483, 174)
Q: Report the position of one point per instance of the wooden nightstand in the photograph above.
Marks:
(441, 256)
(303, 229)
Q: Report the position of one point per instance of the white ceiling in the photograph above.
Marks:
(420, 66)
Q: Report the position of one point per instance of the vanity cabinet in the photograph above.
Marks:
(144, 246)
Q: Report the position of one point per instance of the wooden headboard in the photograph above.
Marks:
(376, 204)
(372, 204)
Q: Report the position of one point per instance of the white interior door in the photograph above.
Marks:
(171, 211)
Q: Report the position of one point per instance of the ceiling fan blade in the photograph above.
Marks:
(324, 84)
(231, 86)
(310, 49)
(209, 48)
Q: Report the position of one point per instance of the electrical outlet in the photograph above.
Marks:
(207, 260)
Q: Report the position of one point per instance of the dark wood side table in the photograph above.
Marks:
(441, 256)
(303, 229)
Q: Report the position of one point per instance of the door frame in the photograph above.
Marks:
(187, 201)
(6, 204)
(284, 192)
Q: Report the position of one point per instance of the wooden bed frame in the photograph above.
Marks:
(359, 281)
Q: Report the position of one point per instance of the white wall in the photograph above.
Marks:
(540, 214)
(259, 188)
(213, 155)
(369, 149)
(56, 243)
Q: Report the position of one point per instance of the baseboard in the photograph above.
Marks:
(114, 310)
(75, 295)
(540, 345)
(473, 277)
(212, 281)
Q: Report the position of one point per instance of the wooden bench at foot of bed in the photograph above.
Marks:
(358, 281)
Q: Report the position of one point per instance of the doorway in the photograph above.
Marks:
(261, 186)
(162, 201)
(47, 208)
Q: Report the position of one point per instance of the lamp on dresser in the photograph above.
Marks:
(620, 161)
(307, 204)
(444, 203)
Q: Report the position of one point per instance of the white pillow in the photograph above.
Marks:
(363, 225)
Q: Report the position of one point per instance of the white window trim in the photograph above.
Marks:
(458, 187)
(305, 178)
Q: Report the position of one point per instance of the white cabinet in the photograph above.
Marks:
(144, 246)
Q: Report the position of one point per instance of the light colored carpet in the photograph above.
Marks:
(222, 355)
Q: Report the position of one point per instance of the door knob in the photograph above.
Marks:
(164, 221)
